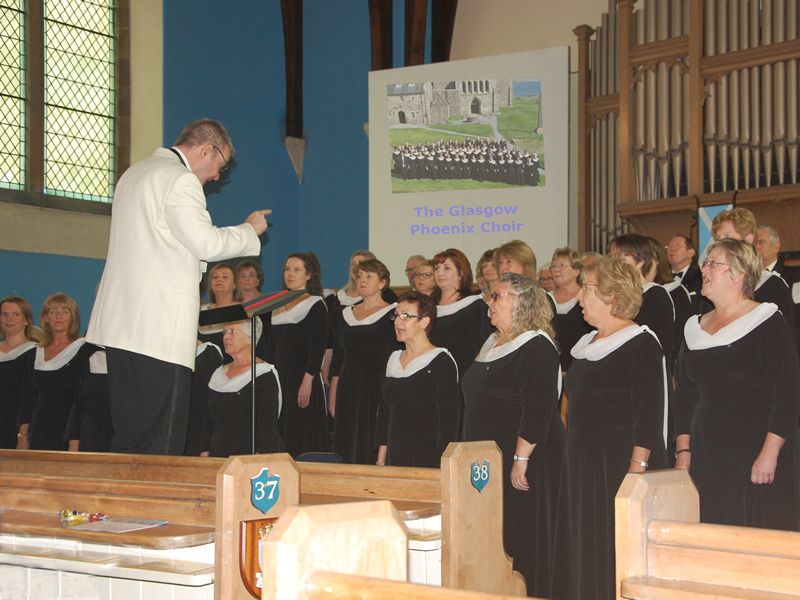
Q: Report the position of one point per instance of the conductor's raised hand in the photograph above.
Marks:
(258, 220)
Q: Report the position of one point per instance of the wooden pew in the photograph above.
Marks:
(303, 557)
(664, 552)
(134, 486)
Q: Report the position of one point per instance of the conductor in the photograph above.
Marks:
(147, 305)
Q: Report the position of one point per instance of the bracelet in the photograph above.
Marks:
(681, 451)
(641, 463)
(521, 457)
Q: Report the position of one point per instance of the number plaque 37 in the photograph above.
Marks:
(264, 490)
(479, 474)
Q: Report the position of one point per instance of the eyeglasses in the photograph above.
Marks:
(423, 275)
(403, 316)
(501, 293)
(226, 163)
(713, 264)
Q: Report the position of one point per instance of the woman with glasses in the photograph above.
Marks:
(296, 347)
(51, 389)
(617, 402)
(511, 397)
(738, 399)
(17, 352)
(228, 424)
(568, 322)
(365, 339)
(418, 413)
(423, 278)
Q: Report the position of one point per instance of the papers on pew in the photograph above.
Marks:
(119, 525)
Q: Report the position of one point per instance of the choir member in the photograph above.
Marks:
(568, 320)
(419, 411)
(296, 347)
(545, 278)
(230, 410)
(511, 396)
(222, 291)
(423, 278)
(657, 311)
(682, 254)
(49, 393)
(17, 352)
(739, 398)
(365, 339)
(249, 279)
(515, 257)
(617, 392)
(462, 324)
(740, 224)
(485, 273)
(412, 263)
(89, 427)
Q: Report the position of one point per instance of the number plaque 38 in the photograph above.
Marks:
(479, 474)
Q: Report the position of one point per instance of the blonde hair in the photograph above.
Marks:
(531, 309)
(743, 220)
(519, 251)
(60, 299)
(27, 314)
(618, 284)
(237, 295)
(742, 260)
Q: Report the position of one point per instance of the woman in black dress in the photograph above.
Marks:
(207, 360)
(568, 320)
(657, 311)
(511, 396)
(462, 324)
(50, 392)
(418, 414)
(617, 392)
(249, 279)
(229, 419)
(739, 398)
(296, 347)
(89, 428)
(365, 339)
(17, 352)
(222, 291)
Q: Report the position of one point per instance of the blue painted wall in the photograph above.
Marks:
(226, 61)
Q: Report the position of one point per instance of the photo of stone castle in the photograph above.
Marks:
(465, 134)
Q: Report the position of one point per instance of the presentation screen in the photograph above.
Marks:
(469, 154)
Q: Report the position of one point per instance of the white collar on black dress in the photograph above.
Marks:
(350, 318)
(649, 285)
(346, 300)
(16, 352)
(97, 363)
(202, 348)
(697, 339)
(563, 308)
(602, 348)
(450, 309)
(491, 353)
(60, 359)
(297, 313)
(765, 275)
(220, 382)
(396, 370)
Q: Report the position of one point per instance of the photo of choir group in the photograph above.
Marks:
(582, 370)
(481, 160)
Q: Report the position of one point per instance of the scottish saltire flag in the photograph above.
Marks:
(705, 216)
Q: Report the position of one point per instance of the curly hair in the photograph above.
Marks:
(743, 220)
(531, 309)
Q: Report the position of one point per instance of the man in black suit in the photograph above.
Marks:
(681, 253)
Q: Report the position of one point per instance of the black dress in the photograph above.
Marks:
(228, 428)
(49, 396)
(616, 389)
(16, 368)
(734, 387)
(462, 327)
(359, 360)
(210, 333)
(658, 314)
(570, 327)
(207, 360)
(682, 301)
(296, 347)
(90, 417)
(512, 391)
(773, 288)
(418, 414)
